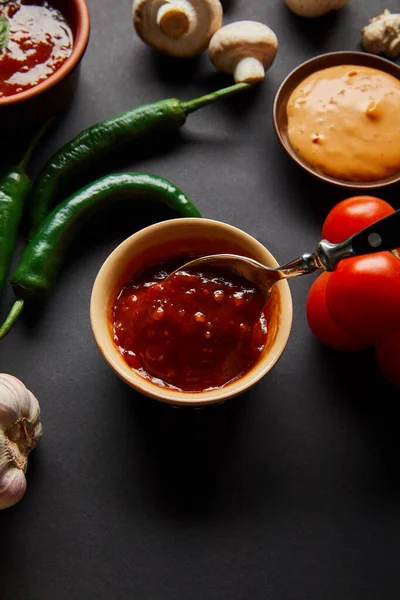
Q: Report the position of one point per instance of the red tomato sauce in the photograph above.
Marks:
(197, 331)
(40, 42)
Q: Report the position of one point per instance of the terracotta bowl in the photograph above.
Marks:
(294, 78)
(160, 242)
(52, 96)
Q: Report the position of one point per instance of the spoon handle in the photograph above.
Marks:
(380, 236)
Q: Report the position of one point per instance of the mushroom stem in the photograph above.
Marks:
(249, 70)
(181, 28)
(173, 20)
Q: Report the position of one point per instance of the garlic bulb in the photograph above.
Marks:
(20, 431)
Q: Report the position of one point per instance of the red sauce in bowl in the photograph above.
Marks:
(40, 42)
(195, 332)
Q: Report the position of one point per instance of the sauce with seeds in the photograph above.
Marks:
(40, 41)
(197, 331)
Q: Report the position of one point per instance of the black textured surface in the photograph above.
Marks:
(290, 492)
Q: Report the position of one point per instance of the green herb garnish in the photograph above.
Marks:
(4, 32)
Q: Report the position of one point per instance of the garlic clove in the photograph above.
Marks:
(394, 47)
(12, 396)
(12, 487)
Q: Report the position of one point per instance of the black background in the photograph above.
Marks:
(289, 492)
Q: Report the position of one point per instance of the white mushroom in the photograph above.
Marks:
(314, 8)
(180, 28)
(245, 48)
(382, 35)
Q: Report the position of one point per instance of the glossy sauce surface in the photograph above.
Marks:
(345, 121)
(40, 42)
(197, 331)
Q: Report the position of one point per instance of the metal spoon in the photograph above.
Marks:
(382, 235)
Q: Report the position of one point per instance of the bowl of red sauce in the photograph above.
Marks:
(199, 337)
(42, 44)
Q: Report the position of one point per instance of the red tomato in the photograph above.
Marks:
(363, 295)
(351, 215)
(320, 321)
(387, 353)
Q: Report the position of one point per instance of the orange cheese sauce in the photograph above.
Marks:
(345, 122)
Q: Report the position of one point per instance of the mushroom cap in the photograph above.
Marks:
(242, 39)
(314, 8)
(204, 18)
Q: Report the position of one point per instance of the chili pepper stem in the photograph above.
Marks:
(197, 103)
(32, 146)
(12, 318)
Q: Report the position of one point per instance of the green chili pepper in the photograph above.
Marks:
(34, 277)
(95, 142)
(15, 185)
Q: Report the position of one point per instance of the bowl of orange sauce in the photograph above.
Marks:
(197, 338)
(337, 117)
(39, 64)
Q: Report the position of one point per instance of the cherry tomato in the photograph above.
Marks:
(387, 353)
(363, 295)
(353, 214)
(321, 323)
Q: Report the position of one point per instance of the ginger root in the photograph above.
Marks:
(382, 35)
